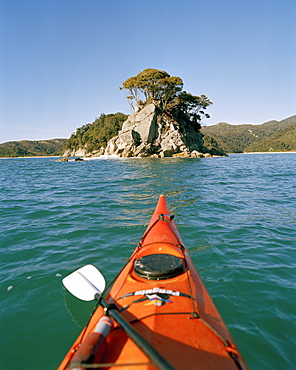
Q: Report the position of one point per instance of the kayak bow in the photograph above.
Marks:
(157, 314)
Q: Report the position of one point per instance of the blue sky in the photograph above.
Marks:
(62, 61)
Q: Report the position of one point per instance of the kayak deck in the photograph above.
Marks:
(160, 293)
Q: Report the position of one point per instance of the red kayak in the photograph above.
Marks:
(157, 314)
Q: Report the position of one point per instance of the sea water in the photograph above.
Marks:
(236, 215)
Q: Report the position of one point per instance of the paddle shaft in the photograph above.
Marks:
(146, 347)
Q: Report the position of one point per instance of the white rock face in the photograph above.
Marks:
(144, 135)
(75, 153)
(147, 133)
(82, 152)
(142, 123)
(138, 132)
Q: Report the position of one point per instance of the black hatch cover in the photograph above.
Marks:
(159, 266)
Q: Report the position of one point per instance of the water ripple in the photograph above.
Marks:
(236, 215)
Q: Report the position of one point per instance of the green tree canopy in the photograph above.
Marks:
(95, 135)
(194, 106)
(152, 85)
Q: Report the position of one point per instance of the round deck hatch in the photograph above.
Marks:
(159, 266)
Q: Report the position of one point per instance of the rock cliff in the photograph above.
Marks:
(148, 133)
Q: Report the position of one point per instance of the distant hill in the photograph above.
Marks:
(282, 141)
(269, 136)
(28, 148)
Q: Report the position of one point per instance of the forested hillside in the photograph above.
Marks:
(95, 135)
(27, 148)
(269, 136)
(282, 141)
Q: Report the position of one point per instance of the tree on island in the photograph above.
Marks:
(166, 92)
(175, 112)
(94, 136)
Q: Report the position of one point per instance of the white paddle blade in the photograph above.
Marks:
(85, 282)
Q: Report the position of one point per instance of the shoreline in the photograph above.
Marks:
(34, 156)
(60, 156)
(290, 151)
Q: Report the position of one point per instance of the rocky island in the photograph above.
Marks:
(166, 123)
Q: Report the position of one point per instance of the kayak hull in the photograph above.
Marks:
(160, 293)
